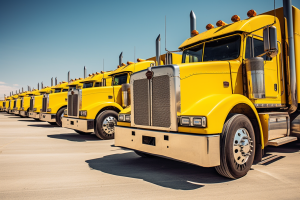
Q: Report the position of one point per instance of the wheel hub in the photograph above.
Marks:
(242, 146)
(108, 125)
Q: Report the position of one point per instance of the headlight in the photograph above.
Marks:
(193, 121)
(83, 113)
(48, 109)
(124, 118)
(65, 112)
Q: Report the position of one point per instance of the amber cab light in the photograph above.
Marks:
(251, 13)
(129, 63)
(195, 32)
(102, 72)
(140, 60)
(123, 64)
(235, 18)
(97, 73)
(209, 26)
(118, 66)
(90, 74)
(220, 23)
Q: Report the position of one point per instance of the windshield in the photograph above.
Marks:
(88, 85)
(120, 79)
(57, 90)
(72, 87)
(223, 49)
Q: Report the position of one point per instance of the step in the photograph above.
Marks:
(281, 141)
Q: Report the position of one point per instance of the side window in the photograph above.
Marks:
(65, 90)
(97, 84)
(257, 48)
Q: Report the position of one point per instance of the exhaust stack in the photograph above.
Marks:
(120, 59)
(157, 46)
(42, 85)
(22, 89)
(84, 72)
(39, 86)
(51, 81)
(55, 80)
(192, 22)
(287, 12)
(68, 76)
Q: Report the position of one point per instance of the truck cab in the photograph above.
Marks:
(13, 104)
(18, 103)
(234, 93)
(25, 102)
(55, 103)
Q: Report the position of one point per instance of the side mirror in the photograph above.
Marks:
(270, 41)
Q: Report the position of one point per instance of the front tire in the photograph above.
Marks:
(105, 124)
(237, 147)
(59, 115)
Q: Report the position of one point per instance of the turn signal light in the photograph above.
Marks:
(195, 32)
(140, 60)
(220, 23)
(129, 63)
(209, 26)
(235, 18)
(251, 13)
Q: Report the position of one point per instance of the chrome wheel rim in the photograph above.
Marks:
(108, 125)
(61, 116)
(242, 146)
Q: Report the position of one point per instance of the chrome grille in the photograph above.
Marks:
(141, 105)
(161, 101)
(72, 104)
(31, 103)
(44, 104)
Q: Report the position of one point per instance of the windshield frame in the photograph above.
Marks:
(120, 74)
(87, 83)
(211, 40)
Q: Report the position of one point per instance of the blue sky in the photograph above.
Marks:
(40, 39)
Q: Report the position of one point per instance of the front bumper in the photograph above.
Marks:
(34, 115)
(202, 150)
(48, 117)
(10, 111)
(23, 113)
(84, 125)
(1, 109)
(16, 112)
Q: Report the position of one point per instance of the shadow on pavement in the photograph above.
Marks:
(43, 125)
(14, 117)
(28, 120)
(159, 171)
(74, 137)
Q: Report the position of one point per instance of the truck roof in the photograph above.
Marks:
(132, 67)
(96, 77)
(63, 85)
(75, 82)
(246, 25)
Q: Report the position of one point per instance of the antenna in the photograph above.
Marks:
(103, 70)
(274, 13)
(166, 33)
(134, 61)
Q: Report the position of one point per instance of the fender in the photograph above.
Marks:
(216, 108)
(93, 109)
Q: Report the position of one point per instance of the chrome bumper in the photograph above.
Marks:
(34, 115)
(16, 112)
(10, 111)
(48, 117)
(202, 150)
(84, 125)
(23, 113)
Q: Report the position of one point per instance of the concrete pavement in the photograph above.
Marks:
(41, 161)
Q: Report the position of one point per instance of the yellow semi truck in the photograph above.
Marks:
(234, 93)
(12, 103)
(25, 102)
(17, 104)
(6, 104)
(54, 104)
(96, 109)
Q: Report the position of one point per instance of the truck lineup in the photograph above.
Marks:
(229, 93)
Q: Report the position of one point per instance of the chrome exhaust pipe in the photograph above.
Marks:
(157, 45)
(192, 22)
(292, 96)
(84, 72)
(55, 80)
(120, 59)
(38, 86)
(51, 81)
(68, 76)
(42, 85)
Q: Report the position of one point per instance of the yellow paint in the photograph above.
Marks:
(123, 124)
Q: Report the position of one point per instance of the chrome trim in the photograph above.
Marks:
(259, 105)
(48, 117)
(23, 113)
(178, 146)
(175, 102)
(79, 124)
(34, 115)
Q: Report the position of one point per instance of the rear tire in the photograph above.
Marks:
(143, 155)
(59, 116)
(105, 124)
(237, 147)
(81, 132)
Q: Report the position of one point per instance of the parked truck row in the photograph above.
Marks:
(229, 92)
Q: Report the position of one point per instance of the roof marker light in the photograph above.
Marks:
(129, 63)
(235, 18)
(123, 64)
(209, 26)
(251, 13)
(140, 60)
(220, 23)
(194, 33)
